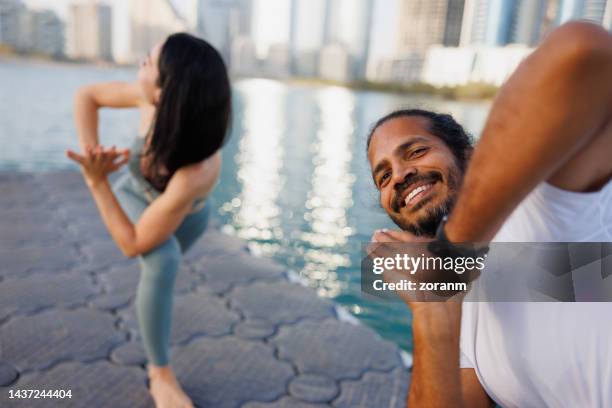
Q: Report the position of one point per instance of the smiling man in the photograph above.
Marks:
(541, 173)
(418, 163)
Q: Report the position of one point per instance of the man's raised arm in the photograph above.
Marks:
(555, 108)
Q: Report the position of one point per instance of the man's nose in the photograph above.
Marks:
(399, 177)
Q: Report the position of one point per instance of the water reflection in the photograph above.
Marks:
(331, 193)
(260, 154)
(295, 179)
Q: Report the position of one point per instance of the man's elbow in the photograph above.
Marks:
(581, 44)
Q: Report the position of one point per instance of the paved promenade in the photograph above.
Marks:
(243, 334)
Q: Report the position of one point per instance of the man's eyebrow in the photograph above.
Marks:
(404, 146)
(381, 165)
(408, 144)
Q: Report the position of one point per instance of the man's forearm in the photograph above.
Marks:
(435, 375)
(551, 107)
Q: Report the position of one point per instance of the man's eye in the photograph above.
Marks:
(383, 178)
(418, 152)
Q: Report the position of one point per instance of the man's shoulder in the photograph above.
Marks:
(549, 213)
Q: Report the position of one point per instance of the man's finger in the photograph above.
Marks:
(381, 236)
(382, 250)
(376, 250)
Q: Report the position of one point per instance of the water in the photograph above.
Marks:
(295, 180)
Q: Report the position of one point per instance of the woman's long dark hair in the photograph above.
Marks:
(194, 109)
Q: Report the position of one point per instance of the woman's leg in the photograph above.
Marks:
(154, 298)
(192, 228)
(158, 271)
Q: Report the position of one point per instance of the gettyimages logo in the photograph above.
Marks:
(566, 272)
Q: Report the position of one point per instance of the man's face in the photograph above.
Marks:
(415, 172)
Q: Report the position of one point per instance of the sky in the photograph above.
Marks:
(270, 22)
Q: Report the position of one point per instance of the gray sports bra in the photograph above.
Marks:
(151, 193)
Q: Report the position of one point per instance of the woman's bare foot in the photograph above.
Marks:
(165, 389)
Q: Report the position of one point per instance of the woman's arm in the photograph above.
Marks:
(162, 217)
(157, 223)
(88, 99)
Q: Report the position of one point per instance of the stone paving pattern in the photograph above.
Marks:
(243, 334)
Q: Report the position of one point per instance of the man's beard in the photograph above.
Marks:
(427, 224)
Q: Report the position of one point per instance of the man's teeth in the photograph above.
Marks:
(415, 192)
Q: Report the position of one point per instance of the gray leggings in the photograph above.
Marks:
(158, 267)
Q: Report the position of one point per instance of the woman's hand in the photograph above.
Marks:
(98, 162)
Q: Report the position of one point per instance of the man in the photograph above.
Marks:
(541, 172)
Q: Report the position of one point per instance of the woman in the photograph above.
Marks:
(157, 210)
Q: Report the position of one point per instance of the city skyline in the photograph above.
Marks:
(341, 40)
(265, 31)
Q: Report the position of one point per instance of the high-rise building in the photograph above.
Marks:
(31, 31)
(593, 10)
(9, 21)
(307, 35)
(431, 22)
(151, 21)
(25, 35)
(90, 31)
(454, 17)
(474, 23)
(528, 24)
(347, 23)
(496, 23)
(47, 33)
(335, 63)
(221, 21)
(501, 15)
(331, 19)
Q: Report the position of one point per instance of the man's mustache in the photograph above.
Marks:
(409, 181)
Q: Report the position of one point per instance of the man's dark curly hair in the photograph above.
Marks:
(441, 125)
